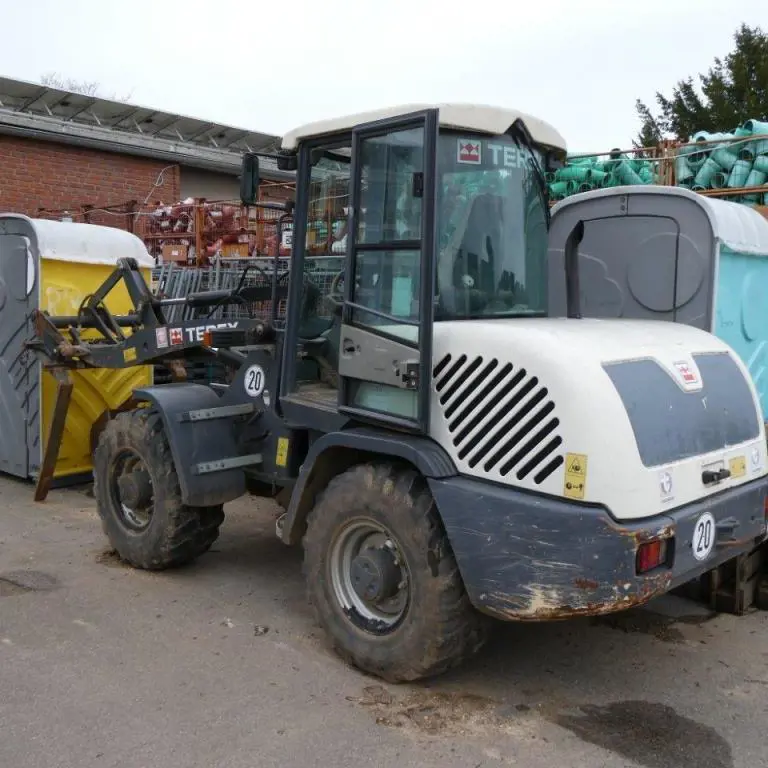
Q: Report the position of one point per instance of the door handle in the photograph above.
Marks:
(714, 476)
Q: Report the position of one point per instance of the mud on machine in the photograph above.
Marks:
(444, 451)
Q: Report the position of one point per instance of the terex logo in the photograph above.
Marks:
(469, 152)
(195, 333)
(687, 375)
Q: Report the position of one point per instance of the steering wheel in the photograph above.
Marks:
(336, 295)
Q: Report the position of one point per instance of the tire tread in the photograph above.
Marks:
(188, 532)
(453, 631)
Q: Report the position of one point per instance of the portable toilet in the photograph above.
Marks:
(666, 253)
(53, 266)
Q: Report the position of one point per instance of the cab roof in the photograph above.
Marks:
(470, 117)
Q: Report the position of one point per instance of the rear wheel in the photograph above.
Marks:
(382, 577)
(138, 497)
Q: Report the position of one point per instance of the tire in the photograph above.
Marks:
(175, 533)
(438, 628)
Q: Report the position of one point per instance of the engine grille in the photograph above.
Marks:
(499, 417)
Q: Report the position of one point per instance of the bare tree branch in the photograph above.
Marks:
(85, 87)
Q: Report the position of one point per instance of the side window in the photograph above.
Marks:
(391, 169)
(387, 253)
(326, 240)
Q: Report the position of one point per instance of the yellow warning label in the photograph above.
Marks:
(129, 354)
(281, 457)
(575, 480)
(738, 466)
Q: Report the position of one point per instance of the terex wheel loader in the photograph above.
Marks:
(444, 450)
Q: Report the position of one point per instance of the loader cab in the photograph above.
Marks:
(441, 215)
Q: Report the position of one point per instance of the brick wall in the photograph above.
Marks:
(40, 174)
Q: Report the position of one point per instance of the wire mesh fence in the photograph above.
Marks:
(171, 281)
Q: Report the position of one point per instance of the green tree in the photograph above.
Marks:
(732, 91)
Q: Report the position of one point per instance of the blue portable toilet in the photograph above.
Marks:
(666, 253)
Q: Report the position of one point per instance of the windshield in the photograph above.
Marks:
(492, 228)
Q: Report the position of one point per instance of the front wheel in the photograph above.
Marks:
(382, 578)
(138, 496)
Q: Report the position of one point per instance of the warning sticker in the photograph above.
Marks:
(666, 486)
(161, 337)
(129, 354)
(176, 336)
(738, 466)
(281, 457)
(575, 480)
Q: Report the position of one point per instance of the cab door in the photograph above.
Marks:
(385, 355)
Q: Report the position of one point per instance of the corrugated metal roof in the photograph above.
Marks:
(40, 111)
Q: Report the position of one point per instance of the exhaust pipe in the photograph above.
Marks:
(572, 293)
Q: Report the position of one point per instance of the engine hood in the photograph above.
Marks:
(624, 413)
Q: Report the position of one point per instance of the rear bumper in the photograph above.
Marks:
(531, 558)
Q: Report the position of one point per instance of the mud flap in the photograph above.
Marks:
(196, 444)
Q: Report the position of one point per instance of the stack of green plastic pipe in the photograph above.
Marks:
(583, 173)
(709, 161)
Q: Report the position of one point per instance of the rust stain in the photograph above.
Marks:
(549, 604)
(641, 536)
(583, 583)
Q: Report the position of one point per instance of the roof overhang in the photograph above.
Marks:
(36, 111)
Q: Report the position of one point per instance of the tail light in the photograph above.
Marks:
(652, 554)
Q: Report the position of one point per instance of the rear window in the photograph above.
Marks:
(670, 424)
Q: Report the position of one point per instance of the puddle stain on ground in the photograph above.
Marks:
(658, 625)
(20, 582)
(652, 735)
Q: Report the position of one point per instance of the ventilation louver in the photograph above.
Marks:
(500, 418)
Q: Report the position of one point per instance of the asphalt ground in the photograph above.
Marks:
(220, 665)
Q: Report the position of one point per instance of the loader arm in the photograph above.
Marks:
(95, 338)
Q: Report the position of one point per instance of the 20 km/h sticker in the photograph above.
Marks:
(704, 534)
(254, 380)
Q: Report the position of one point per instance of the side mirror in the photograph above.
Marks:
(249, 179)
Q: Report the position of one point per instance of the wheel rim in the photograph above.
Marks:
(131, 490)
(370, 576)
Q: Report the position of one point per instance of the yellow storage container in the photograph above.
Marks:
(53, 266)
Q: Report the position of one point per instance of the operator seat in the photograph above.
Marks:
(467, 271)
(319, 334)
(481, 245)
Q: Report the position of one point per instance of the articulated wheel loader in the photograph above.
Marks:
(444, 450)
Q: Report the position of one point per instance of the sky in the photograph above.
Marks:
(270, 67)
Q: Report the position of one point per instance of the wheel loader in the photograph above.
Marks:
(445, 452)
